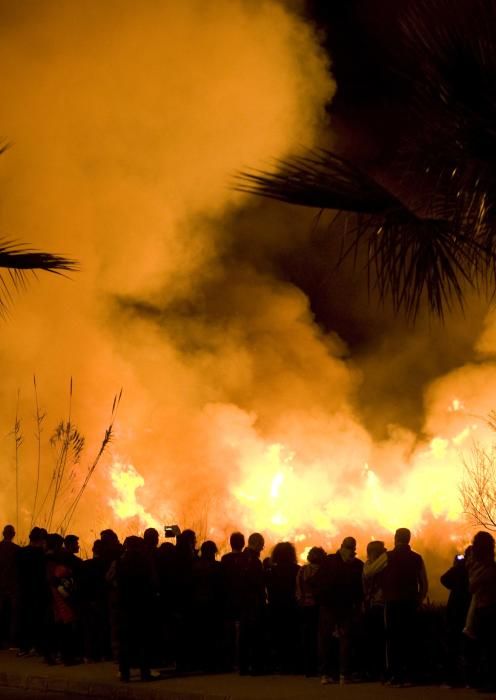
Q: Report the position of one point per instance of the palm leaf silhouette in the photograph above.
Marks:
(442, 237)
(17, 262)
(410, 254)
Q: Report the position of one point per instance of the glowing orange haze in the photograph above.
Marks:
(286, 498)
(128, 121)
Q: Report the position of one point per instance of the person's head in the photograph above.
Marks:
(256, 542)
(237, 541)
(9, 533)
(109, 537)
(483, 547)
(150, 537)
(348, 548)
(208, 550)
(402, 536)
(283, 553)
(133, 543)
(167, 552)
(98, 549)
(37, 537)
(71, 544)
(187, 540)
(316, 555)
(375, 549)
(54, 542)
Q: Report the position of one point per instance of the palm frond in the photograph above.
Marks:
(453, 146)
(18, 261)
(18, 257)
(320, 179)
(444, 238)
(411, 255)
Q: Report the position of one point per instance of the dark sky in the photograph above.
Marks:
(370, 115)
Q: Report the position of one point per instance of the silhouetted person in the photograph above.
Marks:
(482, 581)
(231, 574)
(151, 540)
(110, 553)
(8, 588)
(253, 602)
(456, 581)
(283, 607)
(74, 562)
(135, 599)
(374, 660)
(186, 556)
(207, 607)
(34, 594)
(61, 580)
(94, 606)
(405, 587)
(111, 547)
(167, 581)
(338, 589)
(309, 610)
(70, 553)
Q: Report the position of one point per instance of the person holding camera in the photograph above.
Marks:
(455, 579)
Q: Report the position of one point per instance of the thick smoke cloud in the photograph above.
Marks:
(128, 121)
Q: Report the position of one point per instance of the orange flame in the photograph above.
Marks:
(287, 497)
(126, 480)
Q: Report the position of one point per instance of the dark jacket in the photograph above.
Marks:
(231, 564)
(338, 583)
(207, 586)
(281, 585)
(93, 587)
(456, 581)
(252, 591)
(404, 578)
(8, 567)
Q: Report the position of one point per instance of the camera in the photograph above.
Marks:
(460, 557)
(171, 531)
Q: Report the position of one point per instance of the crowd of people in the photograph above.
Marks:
(149, 605)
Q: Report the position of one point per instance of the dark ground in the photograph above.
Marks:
(31, 679)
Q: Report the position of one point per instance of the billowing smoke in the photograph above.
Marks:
(128, 121)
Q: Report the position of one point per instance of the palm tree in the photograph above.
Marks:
(17, 261)
(431, 231)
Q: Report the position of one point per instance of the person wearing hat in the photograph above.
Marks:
(339, 593)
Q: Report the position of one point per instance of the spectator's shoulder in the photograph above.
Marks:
(418, 557)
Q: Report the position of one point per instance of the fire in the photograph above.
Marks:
(287, 496)
(126, 480)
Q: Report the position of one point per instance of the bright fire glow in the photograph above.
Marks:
(287, 497)
(126, 481)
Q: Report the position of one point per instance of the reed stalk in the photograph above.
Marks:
(18, 442)
(107, 438)
(39, 417)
